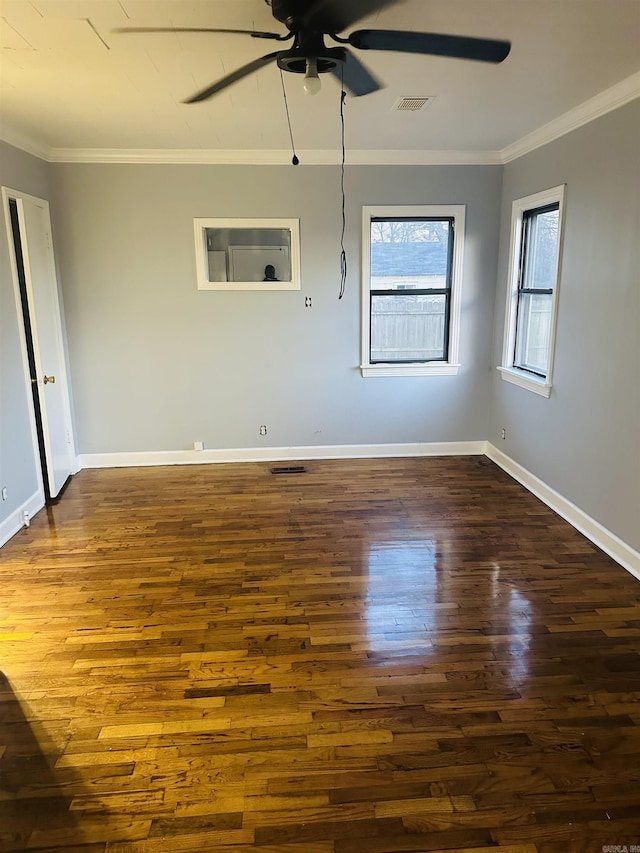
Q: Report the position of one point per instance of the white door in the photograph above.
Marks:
(46, 333)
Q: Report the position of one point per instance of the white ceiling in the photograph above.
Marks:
(70, 82)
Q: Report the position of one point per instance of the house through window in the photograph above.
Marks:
(536, 283)
(411, 285)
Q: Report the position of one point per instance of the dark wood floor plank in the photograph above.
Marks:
(376, 655)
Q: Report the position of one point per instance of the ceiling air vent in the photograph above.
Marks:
(411, 105)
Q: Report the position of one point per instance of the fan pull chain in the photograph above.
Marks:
(294, 159)
(343, 254)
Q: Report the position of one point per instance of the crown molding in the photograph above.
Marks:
(272, 157)
(423, 158)
(171, 156)
(616, 96)
(24, 143)
(601, 104)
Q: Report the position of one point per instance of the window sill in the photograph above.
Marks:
(433, 369)
(525, 380)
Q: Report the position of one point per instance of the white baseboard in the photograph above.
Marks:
(280, 454)
(611, 544)
(15, 522)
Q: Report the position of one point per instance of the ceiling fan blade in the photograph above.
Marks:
(334, 16)
(460, 47)
(356, 76)
(256, 34)
(236, 75)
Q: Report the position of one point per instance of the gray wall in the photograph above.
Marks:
(157, 365)
(584, 441)
(18, 472)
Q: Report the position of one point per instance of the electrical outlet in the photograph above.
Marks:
(198, 445)
(263, 429)
(307, 302)
(5, 493)
(503, 433)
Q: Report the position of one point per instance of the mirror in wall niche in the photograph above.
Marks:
(247, 254)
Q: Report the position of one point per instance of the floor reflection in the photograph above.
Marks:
(415, 604)
(518, 617)
(402, 595)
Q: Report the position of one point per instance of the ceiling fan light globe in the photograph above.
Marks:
(312, 84)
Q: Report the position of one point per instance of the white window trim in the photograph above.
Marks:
(433, 368)
(526, 380)
(508, 371)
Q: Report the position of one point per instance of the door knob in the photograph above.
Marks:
(51, 379)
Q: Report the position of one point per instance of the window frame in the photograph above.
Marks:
(450, 365)
(521, 211)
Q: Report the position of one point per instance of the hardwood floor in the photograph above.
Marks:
(372, 656)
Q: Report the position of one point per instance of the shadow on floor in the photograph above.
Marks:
(34, 808)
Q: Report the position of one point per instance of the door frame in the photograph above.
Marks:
(19, 197)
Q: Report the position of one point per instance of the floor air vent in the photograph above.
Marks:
(289, 469)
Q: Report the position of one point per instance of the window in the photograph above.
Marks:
(412, 267)
(536, 227)
(247, 254)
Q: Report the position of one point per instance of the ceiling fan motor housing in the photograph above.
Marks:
(295, 59)
(310, 45)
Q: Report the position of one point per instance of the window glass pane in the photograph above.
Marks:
(410, 254)
(540, 249)
(533, 332)
(408, 327)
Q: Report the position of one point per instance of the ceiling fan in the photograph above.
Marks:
(309, 21)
